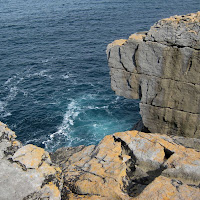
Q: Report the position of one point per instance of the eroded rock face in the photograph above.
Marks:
(162, 68)
(26, 172)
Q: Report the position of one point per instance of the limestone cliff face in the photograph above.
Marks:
(162, 68)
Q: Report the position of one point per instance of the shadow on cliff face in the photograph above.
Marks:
(139, 126)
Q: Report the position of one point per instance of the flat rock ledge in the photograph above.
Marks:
(125, 165)
(161, 67)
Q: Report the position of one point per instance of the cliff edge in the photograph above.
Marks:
(161, 67)
(161, 70)
(129, 166)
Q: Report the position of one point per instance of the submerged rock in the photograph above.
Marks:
(161, 68)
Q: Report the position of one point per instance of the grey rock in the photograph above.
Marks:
(177, 30)
(26, 171)
(60, 156)
(162, 69)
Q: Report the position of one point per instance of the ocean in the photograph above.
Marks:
(55, 84)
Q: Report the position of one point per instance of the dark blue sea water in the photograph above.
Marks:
(54, 84)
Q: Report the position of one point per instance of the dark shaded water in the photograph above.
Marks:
(54, 83)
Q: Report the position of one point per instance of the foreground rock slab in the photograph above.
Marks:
(131, 165)
(161, 68)
(26, 171)
(125, 165)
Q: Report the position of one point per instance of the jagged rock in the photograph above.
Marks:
(188, 142)
(26, 172)
(97, 170)
(126, 164)
(60, 156)
(36, 154)
(161, 67)
(181, 31)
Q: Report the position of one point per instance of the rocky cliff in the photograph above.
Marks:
(161, 70)
(161, 67)
(129, 166)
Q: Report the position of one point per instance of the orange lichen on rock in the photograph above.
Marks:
(110, 169)
(190, 18)
(143, 147)
(87, 197)
(51, 192)
(163, 188)
(46, 169)
(119, 42)
(29, 155)
(101, 174)
(136, 36)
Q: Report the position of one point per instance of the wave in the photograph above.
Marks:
(42, 73)
(85, 121)
(66, 76)
(73, 110)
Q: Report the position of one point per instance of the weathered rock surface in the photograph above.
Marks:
(129, 165)
(162, 68)
(126, 165)
(26, 172)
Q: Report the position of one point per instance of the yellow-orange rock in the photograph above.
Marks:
(127, 165)
(29, 155)
(163, 188)
(26, 172)
(123, 164)
(98, 170)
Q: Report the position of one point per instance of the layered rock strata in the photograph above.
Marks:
(161, 67)
(127, 165)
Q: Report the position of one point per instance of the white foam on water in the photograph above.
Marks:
(8, 81)
(95, 123)
(2, 106)
(64, 129)
(42, 73)
(7, 114)
(66, 76)
(11, 86)
(45, 61)
(3, 110)
(96, 108)
(12, 94)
